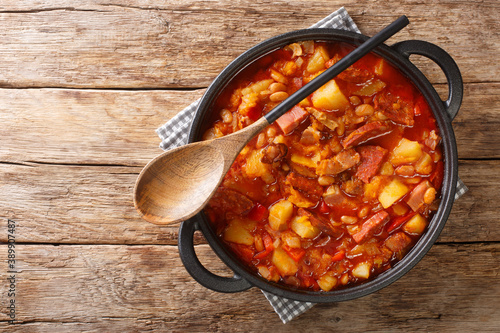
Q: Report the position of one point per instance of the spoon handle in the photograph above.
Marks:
(336, 69)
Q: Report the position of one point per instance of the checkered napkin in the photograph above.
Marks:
(175, 133)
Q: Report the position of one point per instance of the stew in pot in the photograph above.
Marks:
(340, 187)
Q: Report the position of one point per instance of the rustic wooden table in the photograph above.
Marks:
(84, 85)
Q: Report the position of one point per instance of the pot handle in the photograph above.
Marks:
(443, 60)
(197, 270)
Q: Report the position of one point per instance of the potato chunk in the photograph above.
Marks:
(318, 59)
(279, 214)
(303, 227)
(362, 270)
(372, 189)
(255, 168)
(239, 231)
(391, 193)
(327, 282)
(329, 97)
(271, 275)
(416, 225)
(305, 161)
(424, 164)
(285, 265)
(299, 200)
(406, 152)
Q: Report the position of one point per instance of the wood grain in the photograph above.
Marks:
(136, 288)
(84, 85)
(94, 205)
(158, 44)
(69, 126)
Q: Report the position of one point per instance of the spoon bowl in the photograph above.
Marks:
(177, 180)
(178, 183)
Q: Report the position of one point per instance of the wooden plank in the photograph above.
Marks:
(86, 126)
(74, 204)
(69, 158)
(468, 220)
(125, 44)
(93, 205)
(477, 123)
(136, 288)
(118, 127)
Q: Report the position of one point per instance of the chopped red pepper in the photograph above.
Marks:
(323, 208)
(398, 221)
(307, 281)
(297, 83)
(421, 107)
(254, 113)
(268, 244)
(211, 216)
(436, 177)
(262, 254)
(416, 110)
(258, 213)
(295, 254)
(402, 92)
(268, 241)
(338, 256)
(244, 252)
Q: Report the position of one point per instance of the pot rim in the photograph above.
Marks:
(436, 224)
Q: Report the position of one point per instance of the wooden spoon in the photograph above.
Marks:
(178, 183)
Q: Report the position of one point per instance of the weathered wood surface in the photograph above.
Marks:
(83, 86)
(136, 288)
(69, 126)
(70, 163)
(93, 205)
(139, 44)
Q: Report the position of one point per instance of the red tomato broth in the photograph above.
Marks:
(314, 246)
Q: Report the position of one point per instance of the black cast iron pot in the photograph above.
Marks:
(444, 112)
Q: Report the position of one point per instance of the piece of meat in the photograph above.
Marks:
(274, 153)
(291, 119)
(355, 75)
(416, 197)
(366, 132)
(297, 83)
(371, 160)
(321, 222)
(302, 170)
(437, 175)
(310, 136)
(395, 109)
(336, 199)
(326, 118)
(344, 160)
(353, 187)
(371, 226)
(226, 198)
(433, 140)
(333, 61)
(397, 242)
(309, 187)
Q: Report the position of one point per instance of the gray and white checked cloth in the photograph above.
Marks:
(175, 133)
